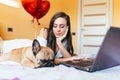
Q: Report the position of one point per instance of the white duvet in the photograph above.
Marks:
(14, 71)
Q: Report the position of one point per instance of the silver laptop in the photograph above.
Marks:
(108, 55)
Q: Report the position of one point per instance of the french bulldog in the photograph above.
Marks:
(34, 56)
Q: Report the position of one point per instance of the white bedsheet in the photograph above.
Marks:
(14, 71)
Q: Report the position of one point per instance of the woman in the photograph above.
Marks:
(59, 37)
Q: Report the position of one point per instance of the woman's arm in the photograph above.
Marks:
(43, 33)
(65, 54)
(62, 49)
(72, 58)
(42, 38)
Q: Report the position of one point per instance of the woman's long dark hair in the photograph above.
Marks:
(51, 41)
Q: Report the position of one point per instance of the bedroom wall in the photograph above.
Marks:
(116, 13)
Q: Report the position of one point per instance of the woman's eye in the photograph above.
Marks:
(62, 26)
(54, 26)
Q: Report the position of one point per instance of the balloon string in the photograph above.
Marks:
(33, 20)
(38, 22)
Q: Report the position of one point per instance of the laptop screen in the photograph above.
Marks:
(109, 53)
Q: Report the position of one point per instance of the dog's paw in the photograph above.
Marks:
(36, 66)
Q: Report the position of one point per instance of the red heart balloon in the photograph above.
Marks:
(43, 9)
(37, 8)
(30, 6)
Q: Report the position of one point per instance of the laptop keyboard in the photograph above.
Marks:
(82, 63)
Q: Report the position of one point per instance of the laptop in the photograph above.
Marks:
(107, 56)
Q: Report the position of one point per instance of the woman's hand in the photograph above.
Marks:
(76, 58)
(62, 37)
(72, 58)
(43, 33)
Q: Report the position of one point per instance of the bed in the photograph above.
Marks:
(14, 71)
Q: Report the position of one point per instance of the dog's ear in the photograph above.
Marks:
(36, 46)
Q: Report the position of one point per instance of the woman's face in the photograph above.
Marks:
(59, 27)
